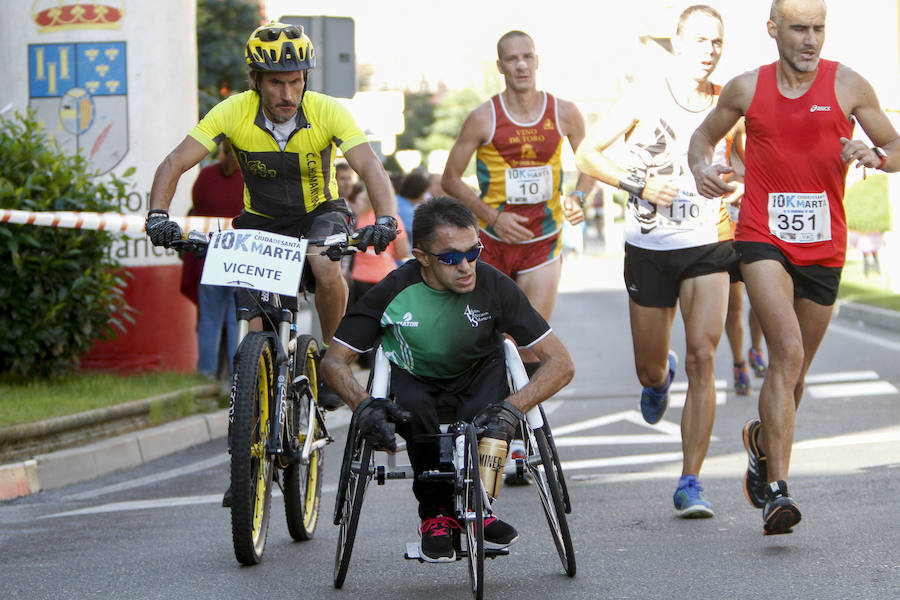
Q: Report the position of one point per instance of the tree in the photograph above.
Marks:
(59, 288)
(418, 114)
(222, 30)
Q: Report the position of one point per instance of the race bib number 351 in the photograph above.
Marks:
(799, 218)
(529, 185)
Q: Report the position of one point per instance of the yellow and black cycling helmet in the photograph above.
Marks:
(280, 47)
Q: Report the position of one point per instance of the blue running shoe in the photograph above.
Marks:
(689, 501)
(757, 362)
(741, 380)
(655, 401)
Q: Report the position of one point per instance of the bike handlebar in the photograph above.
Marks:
(336, 245)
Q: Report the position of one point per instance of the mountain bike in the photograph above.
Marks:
(274, 420)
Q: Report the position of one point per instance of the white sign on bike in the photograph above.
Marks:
(257, 260)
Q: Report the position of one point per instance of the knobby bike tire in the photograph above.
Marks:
(251, 467)
(563, 488)
(303, 482)
(547, 483)
(473, 505)
(354, 491)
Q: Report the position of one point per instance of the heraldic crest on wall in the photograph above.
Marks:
(79, 90)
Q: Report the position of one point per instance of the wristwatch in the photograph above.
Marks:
(881, 155)
(633, 183)
(578, 194)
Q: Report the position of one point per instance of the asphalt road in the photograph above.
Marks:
(158, 531)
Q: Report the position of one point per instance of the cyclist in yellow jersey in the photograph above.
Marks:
(518, 137)
(285, 139)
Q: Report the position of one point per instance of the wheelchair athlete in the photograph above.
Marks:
(441, 319)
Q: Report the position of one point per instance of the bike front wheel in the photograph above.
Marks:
(251, 466)
(303, 480)
(358, 475)
(546, 480)
(473, 513)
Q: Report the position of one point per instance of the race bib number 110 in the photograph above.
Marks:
(799, 218)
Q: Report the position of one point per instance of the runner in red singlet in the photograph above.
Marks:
(792, 234)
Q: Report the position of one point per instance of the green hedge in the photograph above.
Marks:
(867, 206)
(60, 289)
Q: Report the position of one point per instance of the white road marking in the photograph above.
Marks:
(840, 376)
(149, 479)
(682, 386)
(158, 503)
(666, 432)
(677, 400)
(866, 336)
(618, 461)
(840, 390)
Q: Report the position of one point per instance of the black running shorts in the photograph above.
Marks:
(814, 282)
(653, 277)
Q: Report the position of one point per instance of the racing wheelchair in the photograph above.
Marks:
(458, 444)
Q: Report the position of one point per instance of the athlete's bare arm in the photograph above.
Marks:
(591, 159)
(186, 155)
(475, 131)
(572, 125)
(857, 97)
(337, 373)
(732, 105)
(362, 159)
(556, 370)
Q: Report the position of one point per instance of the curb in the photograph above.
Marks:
(74, 465)
(872, 316)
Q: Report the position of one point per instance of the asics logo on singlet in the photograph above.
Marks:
(407, 321)
(819, 108)
(475, 316)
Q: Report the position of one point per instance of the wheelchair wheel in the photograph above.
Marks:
(303, 483)
(563, 488)
(251, 467)
(354, 488)
(546, 479)
(473, 513)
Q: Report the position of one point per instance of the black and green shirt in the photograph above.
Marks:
(440, 334)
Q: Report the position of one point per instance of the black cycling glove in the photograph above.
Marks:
(373, 421)
(378, 235)
(501, 416)
(160, 229)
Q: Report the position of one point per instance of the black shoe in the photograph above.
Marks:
(781, 512)
(327, 399)
(436, 539)
(498, 534)
(755, 479)
(226, 499)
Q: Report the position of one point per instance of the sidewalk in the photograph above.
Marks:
(65, 467)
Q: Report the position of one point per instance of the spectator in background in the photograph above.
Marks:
(346, 178)
(369, 268)
(218, 192)
(413, 191)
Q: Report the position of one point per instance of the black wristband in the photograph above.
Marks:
(633, 184)
(157, 211)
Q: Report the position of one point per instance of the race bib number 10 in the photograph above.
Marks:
(799, 218)
(529, 185)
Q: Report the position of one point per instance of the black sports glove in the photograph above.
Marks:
(378, 235)
(373, 421)
(501, 416)
(160, 229)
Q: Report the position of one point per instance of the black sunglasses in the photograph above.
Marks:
(454, 257)
(270, 35)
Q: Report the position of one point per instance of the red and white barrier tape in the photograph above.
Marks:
(132, 223)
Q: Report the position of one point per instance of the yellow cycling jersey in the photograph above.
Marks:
(281, 182)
